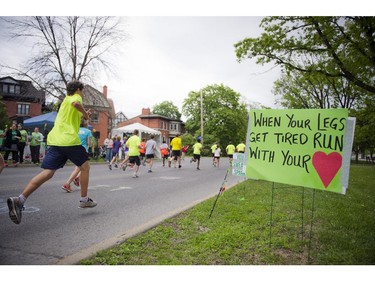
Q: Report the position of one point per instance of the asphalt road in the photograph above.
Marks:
(55, 231)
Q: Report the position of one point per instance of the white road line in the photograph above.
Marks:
(121, 188)
(170, 178)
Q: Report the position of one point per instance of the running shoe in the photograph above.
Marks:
(110, 166)
(149, 171)
(135, 176)
(67, 188)
(76, 181)
(89, 204)
(15, 211)
(116, 166)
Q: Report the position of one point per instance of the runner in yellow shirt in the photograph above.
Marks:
(176, 145)
(241, 148)
(134, 144)
(230, 149)
(64, 145)
(197, 153)
(213, 148)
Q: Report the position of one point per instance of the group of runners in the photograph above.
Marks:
(64, 143)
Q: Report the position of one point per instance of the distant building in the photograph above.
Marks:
(120, 117)
(168, 127)
(22, 100)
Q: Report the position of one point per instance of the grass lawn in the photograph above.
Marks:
(340, 230)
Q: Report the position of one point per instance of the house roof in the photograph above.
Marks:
(112, 111)
(96, 100)
(27, 90)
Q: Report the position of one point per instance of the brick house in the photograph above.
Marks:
(102, 111)
(22, 100)
(168, 127)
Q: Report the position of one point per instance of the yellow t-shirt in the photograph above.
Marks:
(230, 149)
(241, 147)
(213, 148)
(176, 143)
(133, 142)
(68, 120)
(197, 148)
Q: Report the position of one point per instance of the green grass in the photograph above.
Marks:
(340, 231)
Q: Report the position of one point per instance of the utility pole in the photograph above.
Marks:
(202, 118)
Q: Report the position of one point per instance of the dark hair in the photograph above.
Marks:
(73, 86)
(84, 123)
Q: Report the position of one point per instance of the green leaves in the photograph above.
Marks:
(167, 109)
(225, 118)
(331, 46)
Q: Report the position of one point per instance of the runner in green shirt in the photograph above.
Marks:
(230, 149)
(64, 145)
(197, 147)
(134, 144)
(241, 148)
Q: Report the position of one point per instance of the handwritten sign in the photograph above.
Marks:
(298, 147)
(238, 165)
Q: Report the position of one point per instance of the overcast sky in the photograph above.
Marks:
(166, 57)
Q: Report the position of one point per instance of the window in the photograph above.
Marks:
(173, 126)
(10, 89)
(94, 117)
(23, 109)
(4, 88)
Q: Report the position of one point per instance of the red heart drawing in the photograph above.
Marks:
(327, 166)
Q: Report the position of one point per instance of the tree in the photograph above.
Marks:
(327, 62)
(314, 90)
(331, 46)
(67, 48)
(4, 120)
(225, 117)
(364, 140)
(167, 109)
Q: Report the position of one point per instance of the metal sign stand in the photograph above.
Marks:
(222, 189)
(303, 217)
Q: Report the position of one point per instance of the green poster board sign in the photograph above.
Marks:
(298, 147)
